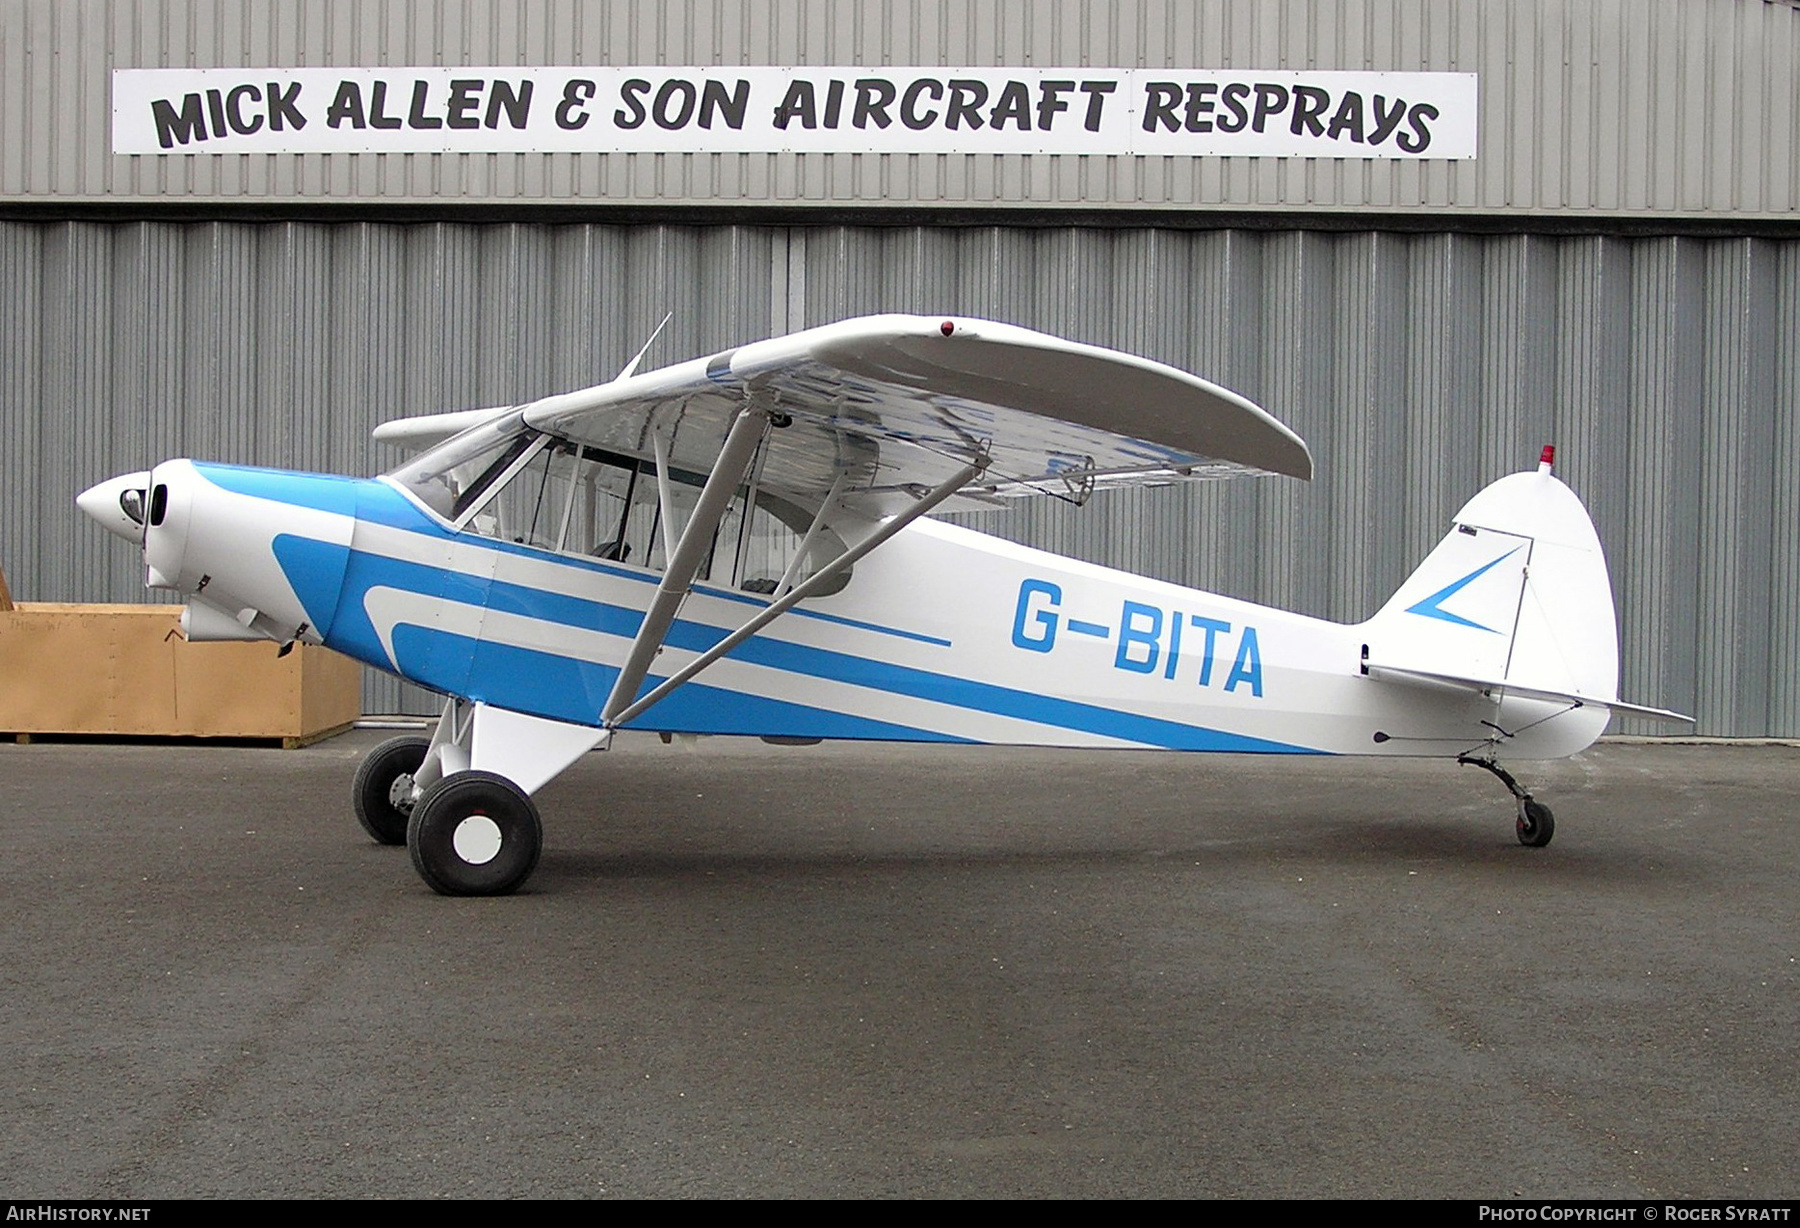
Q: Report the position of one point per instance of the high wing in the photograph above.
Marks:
(429, 430)
(886, 406)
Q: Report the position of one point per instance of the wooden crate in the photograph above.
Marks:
(124, 669)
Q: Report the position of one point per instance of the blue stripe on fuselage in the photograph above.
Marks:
(567, 689)
(316, 570)
(467, 673)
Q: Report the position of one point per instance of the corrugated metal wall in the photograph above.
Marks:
(1417, 367)
(1637, 108)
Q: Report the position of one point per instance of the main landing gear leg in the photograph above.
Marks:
(470, 823)
(394, 776)
(1536, 824)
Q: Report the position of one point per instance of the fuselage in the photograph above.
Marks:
(942, 634)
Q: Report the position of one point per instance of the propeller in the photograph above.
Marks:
(127, 506)
(120, 505)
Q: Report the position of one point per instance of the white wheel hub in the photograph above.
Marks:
(477, 840)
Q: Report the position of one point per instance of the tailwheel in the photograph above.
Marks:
(382, 794)
(1536, 824)
(474, 833)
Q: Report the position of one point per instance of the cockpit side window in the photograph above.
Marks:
(517, 485)
(566, 499)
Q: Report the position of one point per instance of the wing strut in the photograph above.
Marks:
(797, 594)
(684, 561)
(812, 535)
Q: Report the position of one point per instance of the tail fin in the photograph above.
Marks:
(1515, 596)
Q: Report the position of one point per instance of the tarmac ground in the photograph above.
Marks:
(853, 970)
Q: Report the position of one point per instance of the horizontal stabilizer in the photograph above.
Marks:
(1401, 674)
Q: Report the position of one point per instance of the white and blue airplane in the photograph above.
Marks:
(740, 544)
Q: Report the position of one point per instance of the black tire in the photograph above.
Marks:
(1536, 825)
(372, 794)
(494, 856)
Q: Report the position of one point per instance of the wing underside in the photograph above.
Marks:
(886, 406)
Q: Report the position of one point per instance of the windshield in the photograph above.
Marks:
(451, 477)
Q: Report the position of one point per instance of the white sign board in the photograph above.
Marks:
(1099, 111)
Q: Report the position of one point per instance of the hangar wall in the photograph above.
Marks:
(1418, 366)
(1642, 109)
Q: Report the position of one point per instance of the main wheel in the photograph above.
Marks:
(383, 791)
(474, 833)
(1536, 825)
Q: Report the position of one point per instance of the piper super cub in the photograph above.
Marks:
(568, 568)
